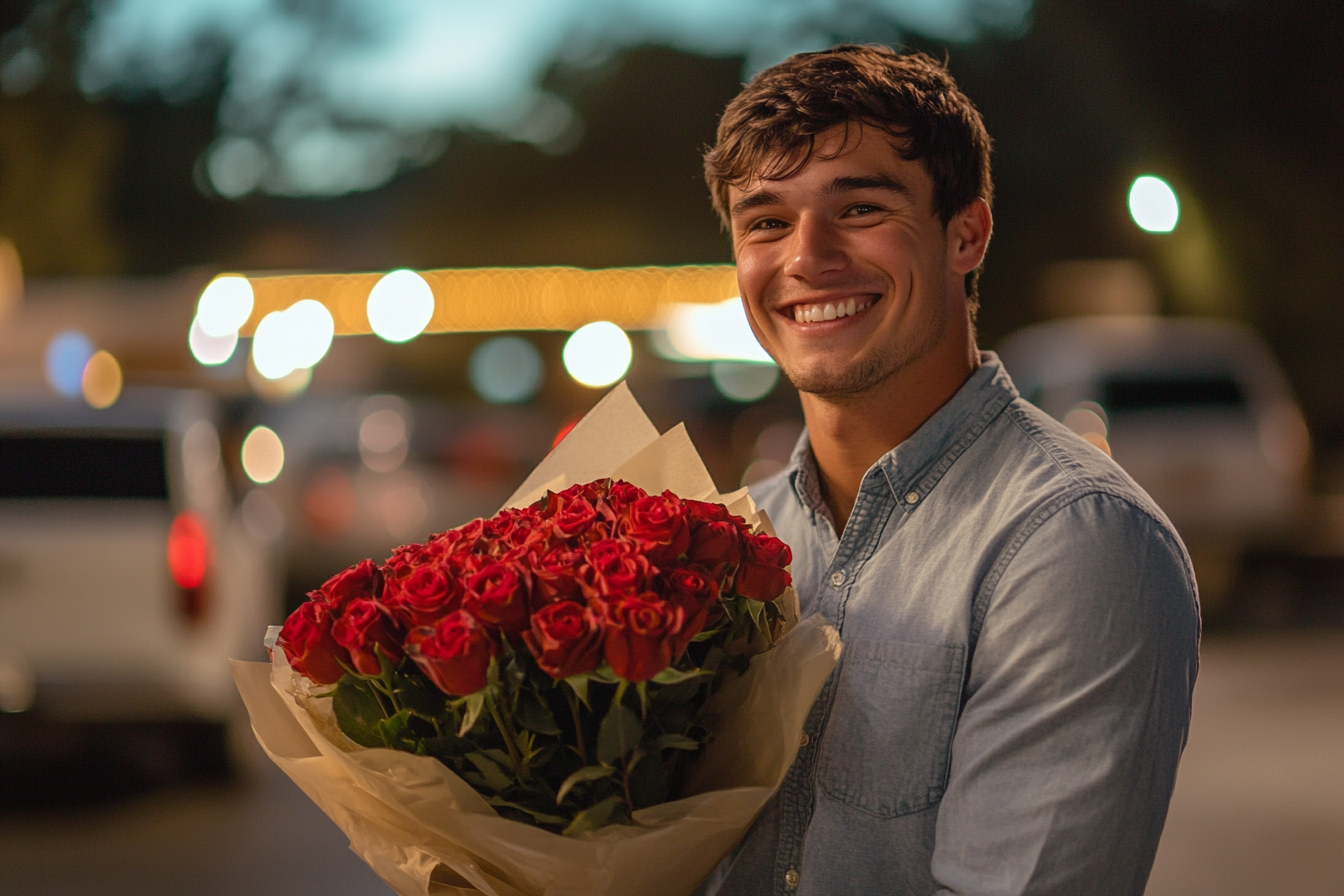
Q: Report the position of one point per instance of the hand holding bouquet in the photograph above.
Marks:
(613, 657)
(556, 657)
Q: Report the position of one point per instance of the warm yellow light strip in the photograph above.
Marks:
(483, 299)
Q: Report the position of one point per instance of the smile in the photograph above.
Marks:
(821, 311)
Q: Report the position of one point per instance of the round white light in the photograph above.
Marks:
(743, 382)
(263, 455)
(598, 354)
(311, 329)
(224, 306)
(294, 339)
(270, 347)
(211, 350)
(1153, 205)
(400, 306)
(505, 370)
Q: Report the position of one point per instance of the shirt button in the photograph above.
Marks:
(837, 579)
(790, 878)
(911, 497)
(803, 740)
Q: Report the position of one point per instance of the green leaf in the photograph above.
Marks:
(396, 729)
(587, 773)
(358, 712)
(619, 734)
(579, 685)
(419, 696)
(539, 816)
(494, 776)
(594, 817)
(473, 705)
(533, 715)
(677, 676)
(674, 742)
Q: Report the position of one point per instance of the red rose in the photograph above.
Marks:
(500, 596)
(557, 575)
(362, 628)
(455, 654)
(566, 639)
(613, 567)
(640, 631)
(575, 518)
(361, 581)
(307, 642)
(658, 524)
(761, 575)
(716, 545)
(622, 494)
(424, 597)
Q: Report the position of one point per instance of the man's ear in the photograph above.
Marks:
(968, 237)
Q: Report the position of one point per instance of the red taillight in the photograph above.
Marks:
(189, 559)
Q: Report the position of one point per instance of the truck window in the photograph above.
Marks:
(46, 465)
(1122, 394)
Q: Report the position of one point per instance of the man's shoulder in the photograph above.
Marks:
(1034, 461)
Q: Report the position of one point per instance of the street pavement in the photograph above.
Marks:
(1258, 810)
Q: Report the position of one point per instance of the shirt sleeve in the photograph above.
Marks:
(1076, 709)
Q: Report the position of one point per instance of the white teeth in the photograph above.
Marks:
(814, 313)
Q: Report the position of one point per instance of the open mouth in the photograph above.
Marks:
(822, 311)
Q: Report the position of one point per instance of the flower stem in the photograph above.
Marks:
(505, 724)
(572, 699)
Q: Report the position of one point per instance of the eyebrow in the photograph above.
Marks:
(845, 184)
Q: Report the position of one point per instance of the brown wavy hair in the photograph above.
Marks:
(770, 129)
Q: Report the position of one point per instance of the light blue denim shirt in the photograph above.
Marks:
(1021, 640)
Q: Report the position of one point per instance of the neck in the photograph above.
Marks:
(850, 432)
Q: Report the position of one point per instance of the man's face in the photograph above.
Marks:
(844, 266)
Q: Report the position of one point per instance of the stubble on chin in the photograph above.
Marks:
(842, 383)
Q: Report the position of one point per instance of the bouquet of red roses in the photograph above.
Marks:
(611, 647)
(556, 657)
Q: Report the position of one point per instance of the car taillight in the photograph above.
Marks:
(189, 561)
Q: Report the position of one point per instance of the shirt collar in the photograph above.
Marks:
(913, 468)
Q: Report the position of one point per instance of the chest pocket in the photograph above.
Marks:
(888, 741)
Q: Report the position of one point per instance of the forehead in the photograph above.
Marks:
(843, 150)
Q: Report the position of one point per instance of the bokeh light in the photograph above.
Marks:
(188, 550)
(263, 455)
(1088, 419)
(743, 381)
(1153, 204)
(67, 355)
(225, 305)
(100, 383)
(294, 339)
(505, 370)
(598, 354)
(400, 306)
(208, 350)
(384, 432)
(717, 332)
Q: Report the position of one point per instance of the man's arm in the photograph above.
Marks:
(1077, 705)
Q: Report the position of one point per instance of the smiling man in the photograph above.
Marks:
(1020, 622)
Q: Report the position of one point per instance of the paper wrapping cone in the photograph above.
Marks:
(425, 831)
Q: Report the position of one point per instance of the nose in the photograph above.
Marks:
(816, 250)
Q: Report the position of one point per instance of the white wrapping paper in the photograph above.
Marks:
(425, 831)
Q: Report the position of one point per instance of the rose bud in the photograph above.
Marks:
(761, 575)
(716, 545)
(566, 639)
(698, 596)
(362, 628)
(455, 654)
(557, 575)
(308, 644)
(640, 630)
(500, 596)
(575, 518)
(657, 523)
(362, 581)
(614, 567)
(424, 597)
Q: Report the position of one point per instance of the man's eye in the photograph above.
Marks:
(864, 208)
(768, 224)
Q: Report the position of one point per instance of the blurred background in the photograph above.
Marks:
(175, 472)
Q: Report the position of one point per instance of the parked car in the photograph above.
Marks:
(1196, 410)
(125, 581)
